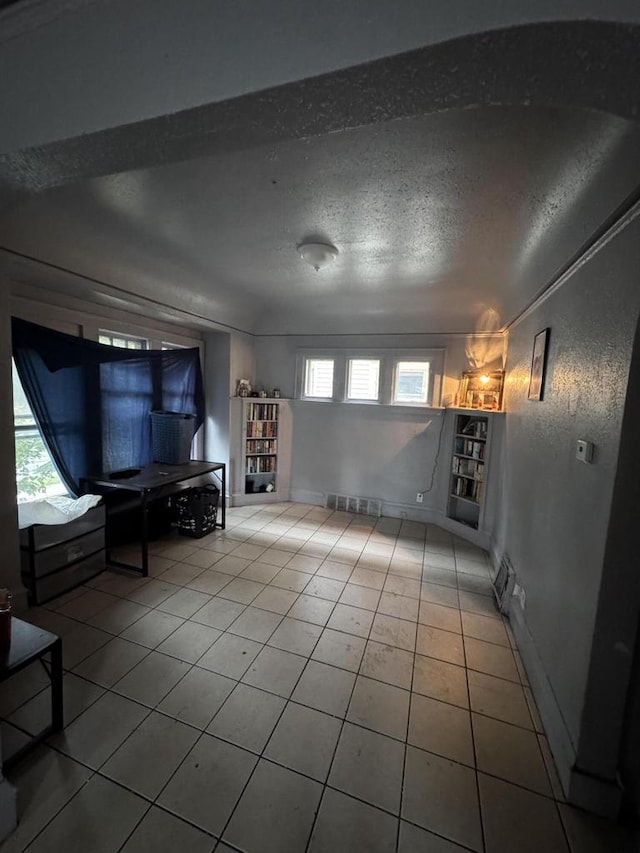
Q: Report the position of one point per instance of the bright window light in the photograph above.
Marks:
(411, 382)
(116, 339)
(36, 476)
(318, 378)
(364, 379)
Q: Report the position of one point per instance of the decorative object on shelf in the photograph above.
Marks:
(481, 389)
(538, 365)
(275, 393)
(317, 255)
(244, 388)
(262, 393)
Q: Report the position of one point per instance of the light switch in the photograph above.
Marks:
(584, 450)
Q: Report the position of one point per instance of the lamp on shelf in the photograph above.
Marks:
(317, 255)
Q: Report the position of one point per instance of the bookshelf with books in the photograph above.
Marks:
(469, 465)
(262, 461)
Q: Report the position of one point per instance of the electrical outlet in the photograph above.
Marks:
(419, 497)
(584, 451)
(519, 593)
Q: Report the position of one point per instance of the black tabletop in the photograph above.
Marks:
(154, 476)
(28, 642)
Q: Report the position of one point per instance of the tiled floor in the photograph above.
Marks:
(304, 681)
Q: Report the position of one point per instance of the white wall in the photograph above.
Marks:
(371, 451)
(556, 515)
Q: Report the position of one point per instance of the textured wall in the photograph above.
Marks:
(167, 60)
(556, 514)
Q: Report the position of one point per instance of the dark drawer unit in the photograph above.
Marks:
(57, 557)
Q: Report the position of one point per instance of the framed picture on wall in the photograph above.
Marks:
(538, 365)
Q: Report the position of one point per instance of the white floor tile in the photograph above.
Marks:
(292, 635)
(369, 766)
(442, 797)
(380, 707)
(325, 687)
(208, 784)
(275, 670)
(515, 819)
(159, 831)
(340, 649)
(388, 664)
(276, 811)
(230, 655)
(510, 753)
(46, 780)
(350, 826)
(87, 821)
(100, 730)
(248, 717)
(441, 729)
(189, 642)
(141, 765)
(441, 680)
(304, 740)
(197, 697)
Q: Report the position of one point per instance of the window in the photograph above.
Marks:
(386, 376)
(363, 381)
(36, 475)
(318, 378)
(411, 382)
(116, 339)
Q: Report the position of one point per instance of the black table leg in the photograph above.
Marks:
(144, 538)
(224, 499)
(57, 704)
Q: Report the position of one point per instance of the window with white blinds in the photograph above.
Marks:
(117, 339)
(318, 378)
(386, 377)
(364, 379)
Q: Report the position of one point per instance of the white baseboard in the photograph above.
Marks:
(594, 794)
(410, 512)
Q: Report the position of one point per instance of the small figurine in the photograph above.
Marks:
(244, 388)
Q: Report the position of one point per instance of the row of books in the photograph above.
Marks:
(262, 429)
(257, 445)
(476, 427)
(262, 412)
(469, 489)
(261, 464)
(468, 467)
(468, 447)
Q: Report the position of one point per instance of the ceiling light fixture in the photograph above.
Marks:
(317, 255)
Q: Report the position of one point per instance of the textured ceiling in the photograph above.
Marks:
(447, 219)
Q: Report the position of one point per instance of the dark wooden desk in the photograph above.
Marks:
(28, 644)
(155, 481)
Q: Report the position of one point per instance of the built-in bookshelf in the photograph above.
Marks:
(468, 465)
(263, 461)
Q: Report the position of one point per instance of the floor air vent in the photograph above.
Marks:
(503, 584)
(361, 506)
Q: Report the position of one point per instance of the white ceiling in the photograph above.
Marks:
(441, 220)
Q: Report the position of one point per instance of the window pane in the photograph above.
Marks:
(411, 382)
(318, 377)
(36, 476)
(364, 377)
(115, 339)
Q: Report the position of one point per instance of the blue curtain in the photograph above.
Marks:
(92, 401)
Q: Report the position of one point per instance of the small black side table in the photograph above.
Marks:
(28, 644)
